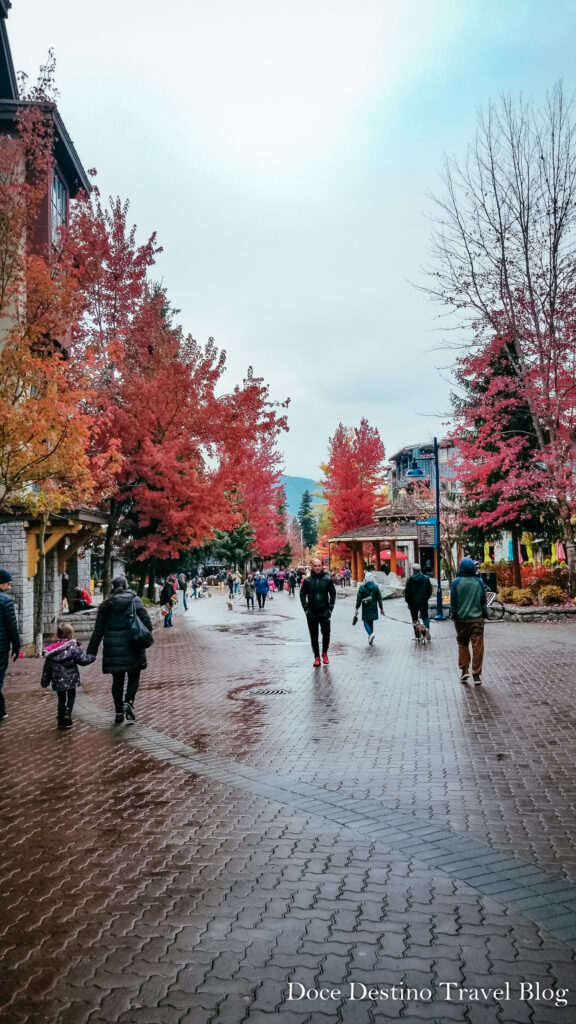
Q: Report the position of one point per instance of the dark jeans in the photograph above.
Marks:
(324, 625)
(131, 689)
(250, 601)
(424, 614)
(4, 659)
(66, 700)
(261, 598)
(168, 617)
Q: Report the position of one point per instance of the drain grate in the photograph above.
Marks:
(267, 693)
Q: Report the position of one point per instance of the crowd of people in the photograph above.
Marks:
(124, 628)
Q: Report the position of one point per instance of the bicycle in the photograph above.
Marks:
(495, 607)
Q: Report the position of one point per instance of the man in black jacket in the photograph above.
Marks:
(9, 635)
(318, 596)
(417, 594)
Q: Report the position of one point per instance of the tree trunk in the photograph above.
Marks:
(108, 542)
(570, 548)
(517, 572)
(151, 579)
(142, 580)
(40, 590)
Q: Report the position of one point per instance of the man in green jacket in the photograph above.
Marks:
(469, 609)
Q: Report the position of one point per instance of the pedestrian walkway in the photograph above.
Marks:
(268, 830)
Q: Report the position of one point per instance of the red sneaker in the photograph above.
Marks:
(325, 659)
(316, 662)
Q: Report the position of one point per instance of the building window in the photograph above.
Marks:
(58, 207)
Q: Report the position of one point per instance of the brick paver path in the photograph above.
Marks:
(372, 824)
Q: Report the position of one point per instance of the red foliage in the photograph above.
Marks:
(505, 481)
(190, 462)
(353, 476)
(250, 425)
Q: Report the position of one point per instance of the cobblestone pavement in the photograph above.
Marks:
(372, 824)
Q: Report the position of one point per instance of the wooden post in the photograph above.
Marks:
(377, 555)
(357, 573)
(393, 565)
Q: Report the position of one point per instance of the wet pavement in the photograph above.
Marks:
(366, 841)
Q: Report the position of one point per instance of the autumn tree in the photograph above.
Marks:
(504, 252)
(504, 484)
(307, 521)
(44, 429)
(190, 462)
(252, 423)
(353, 476)
(294, 535)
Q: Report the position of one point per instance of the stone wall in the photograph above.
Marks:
(14, 558)
(513, 613)
(78, 570)
(52, 593)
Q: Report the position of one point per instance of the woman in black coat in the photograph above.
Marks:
(121, 655)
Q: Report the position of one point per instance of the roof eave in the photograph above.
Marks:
(64, 151)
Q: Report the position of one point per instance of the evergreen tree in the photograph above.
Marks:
(307, 521)
(234, 547)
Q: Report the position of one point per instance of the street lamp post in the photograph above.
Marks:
(439, 604)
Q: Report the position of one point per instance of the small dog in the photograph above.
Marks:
(230, 606)
(421, 634)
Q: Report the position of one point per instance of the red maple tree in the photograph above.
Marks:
(353, 476)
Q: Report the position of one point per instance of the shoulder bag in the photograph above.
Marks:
(140, 633)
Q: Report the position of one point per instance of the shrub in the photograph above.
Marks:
(504, 573)
(553, 595)
(506, 594)
(522, 596)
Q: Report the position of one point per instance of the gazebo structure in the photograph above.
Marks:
(395, 524)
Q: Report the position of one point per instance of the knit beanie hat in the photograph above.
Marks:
(5, 577)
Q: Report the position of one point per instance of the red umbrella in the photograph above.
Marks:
(386, 554)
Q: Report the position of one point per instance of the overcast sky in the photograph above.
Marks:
(283, 153)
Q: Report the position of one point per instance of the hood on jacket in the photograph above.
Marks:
(121, 600)
(60, 648)
(467, 567)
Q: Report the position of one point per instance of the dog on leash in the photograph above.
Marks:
(230, 606)
(421, 634)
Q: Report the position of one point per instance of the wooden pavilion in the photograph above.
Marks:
(396, 523)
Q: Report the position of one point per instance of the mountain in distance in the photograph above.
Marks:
(295, 487)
